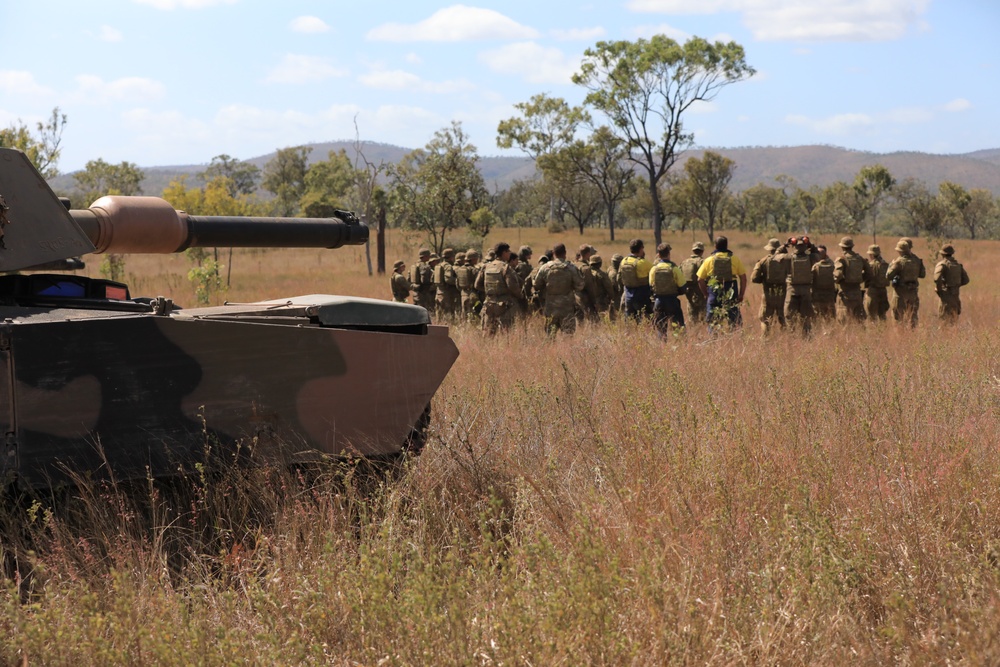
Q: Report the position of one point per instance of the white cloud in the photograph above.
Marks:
(131, 89)
(17, 83)
(533, 62)
(807, 20)
(183, 4)
(702, 107)
(457, 23)
(413, 59)
(960, 104)
(908, 115)
(842, 124)
(309, 25)
(109, 34)
(578, 34)
(647, 31)
(303, 69)
(400, 80)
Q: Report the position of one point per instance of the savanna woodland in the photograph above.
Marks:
(610, 497)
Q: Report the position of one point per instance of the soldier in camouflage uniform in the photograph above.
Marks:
(617, 300)
(850, 272)
(499, 282)
(465, 279)
(824, 292)
(558, 282)
(904, 275)
(449, 297)
(798, 298)
(586, 298)
(605, 288)
(695, 299)
(772, 273)
(422, 281)
(876, 287)
(949, 278)
(531, 294)
(399, 283)
(524, 267)
(521, 303)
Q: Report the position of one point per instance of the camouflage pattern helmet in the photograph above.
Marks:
(423, 252)
(772, 244)
(448, 253)
(948, 250)
(471, 252)
(595, 260)
(874, 250)
(905, 241)
(903, 246)
(846, 242)
(434, 257)
(697, 246)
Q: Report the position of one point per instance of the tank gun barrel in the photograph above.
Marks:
(118, 224)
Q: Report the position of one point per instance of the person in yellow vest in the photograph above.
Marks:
(772, 274)
(634, 275)
(667, 283)
(723, 281)
(904, 274)
(876, 287)
(850, 272)
(824, 292)
(695, 299)
(949, 278)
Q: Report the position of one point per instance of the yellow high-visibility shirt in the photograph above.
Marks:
(705, 272)
(679, 278)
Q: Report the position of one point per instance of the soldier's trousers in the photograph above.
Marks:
(695, 303)
(470, 299)
(448, 303)
(638, 302)
(667, 312)
(950, 307)
(772, 307)
(799, 310)
(560, 319)
(905, 304)
(825, 303)
(850, 305)
(876, 303)
(425, 299)
(497, 315)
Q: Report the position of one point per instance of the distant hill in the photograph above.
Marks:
(808, 165)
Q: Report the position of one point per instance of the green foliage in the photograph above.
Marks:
(99, 178)
(42, 148)
(437, 189)
(242, 176)
(113, 267)
(206, 275)
(646, 87)
(285, 176)
(327, 183)
(215, 198)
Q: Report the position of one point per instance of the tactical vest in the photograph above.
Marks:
(909, 269)
(629, 272)
(664, 283)
(801, 273)
(824, 276)
(463, 277)
(689, 267)
(722, 267)
(878, 267)
(953, 275)
(854, 269)
(439, 274)
(493, 280)
(775, 271)
(558, 279)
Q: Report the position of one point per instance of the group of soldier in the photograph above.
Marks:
(799, 279)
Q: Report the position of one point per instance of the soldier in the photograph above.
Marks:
(523, 267)
(605, 288)
(667, 283)
(634, 275)
(422, 281)
(616, 282)
(904, 274)
(949, 278)
(449, 296)
(772, 273)
(695, 299)
(558, 282)
(723, 281)
(521, 304)
(531, 294)
(465, 280)
(798, 298)
(824, 292)
(399, 283)
(499, 282)
(587, 297)
(876, 296)
(850, 272)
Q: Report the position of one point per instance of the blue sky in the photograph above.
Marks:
(162, 82)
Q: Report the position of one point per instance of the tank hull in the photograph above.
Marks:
(92, 393)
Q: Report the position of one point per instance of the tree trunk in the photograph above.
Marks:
(611, 219)
(380, 240)
(654, 194)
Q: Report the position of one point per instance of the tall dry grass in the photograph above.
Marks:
(607, 498)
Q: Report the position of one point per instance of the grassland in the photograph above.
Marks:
(607, 498)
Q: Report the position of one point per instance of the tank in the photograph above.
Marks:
(95, 382)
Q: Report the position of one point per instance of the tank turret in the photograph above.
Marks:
(94, 382)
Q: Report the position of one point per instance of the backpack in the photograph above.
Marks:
(629, 272)
(775, 271)
(909, 269)
(854, 269)
(463, 275)
(953, 275)
(690, 269)
(558, 279)
(824, 275)
(801, 270)
(664, 283)
(722, 267)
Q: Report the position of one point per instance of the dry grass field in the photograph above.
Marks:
(607, 498)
